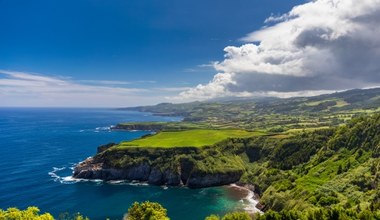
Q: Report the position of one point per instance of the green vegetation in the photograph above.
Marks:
(33, 213)
(310, 169)
(190, 138)
(264, 113)
(138, 211)
(309, 158)
(311, 214)
(194, 160)
(231, 216)
(338, 168)
(146, 211)
(166, 126)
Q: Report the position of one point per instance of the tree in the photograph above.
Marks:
(212, 217)
(237, 216)
(231, 216)
(31, 213)
(146, 211)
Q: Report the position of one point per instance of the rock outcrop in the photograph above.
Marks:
(156, 166)
(199, 180)
(139, 126)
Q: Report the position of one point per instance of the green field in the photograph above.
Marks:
(189, 138)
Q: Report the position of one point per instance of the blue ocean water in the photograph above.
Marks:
(39, 147)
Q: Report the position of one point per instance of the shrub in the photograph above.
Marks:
(237, 216)
(146, 211)
(212, 217)
(31, 213)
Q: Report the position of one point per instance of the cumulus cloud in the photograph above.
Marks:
(320, 46)
(30, 89)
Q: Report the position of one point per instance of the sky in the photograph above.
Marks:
(101, 53)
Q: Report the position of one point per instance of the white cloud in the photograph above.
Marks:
(320, 46)
(29, 89)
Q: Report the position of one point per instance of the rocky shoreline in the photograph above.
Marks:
(139, 127)
(95, 171)
(184, 174)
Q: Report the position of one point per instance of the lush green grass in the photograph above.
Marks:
(189, 138)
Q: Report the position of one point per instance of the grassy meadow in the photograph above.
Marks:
(189, 138)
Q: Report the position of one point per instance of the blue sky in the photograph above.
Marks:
(126, 40)
(153, 49)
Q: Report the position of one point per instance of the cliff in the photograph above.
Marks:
(159, 126)
(313, 169)
(187, 166)
(139, 126)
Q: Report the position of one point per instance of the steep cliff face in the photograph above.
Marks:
(202, 179)
(174, 166)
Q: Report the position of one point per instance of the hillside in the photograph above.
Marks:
(326, 168)
(265, 113)
(337, 167)
(309, 153)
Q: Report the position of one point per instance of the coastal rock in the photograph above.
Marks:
(159, 166)
(90, 170)
(140, 172)
(186, 168)
(143, 172)
(105, 147)
(155, 177)
(140, 127)
(172, 178)
(201, 179)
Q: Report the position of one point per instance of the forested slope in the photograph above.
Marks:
(326, 168)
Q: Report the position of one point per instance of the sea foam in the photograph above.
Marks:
(250, 201)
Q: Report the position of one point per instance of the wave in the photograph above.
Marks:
(137, 183)
(64, 179)
(249, 202)
(106, 128)
(61, 179)
(252, 202)
(54, 174)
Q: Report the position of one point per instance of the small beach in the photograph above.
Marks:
(245, 195)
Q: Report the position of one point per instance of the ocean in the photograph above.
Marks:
(40, 146)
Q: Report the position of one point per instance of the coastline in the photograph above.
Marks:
(246, 195)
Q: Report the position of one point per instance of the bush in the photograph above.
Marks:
(231, 216)
(146, 211)
(212, 217)
(31, 213)
(327, 200)
(237, 216)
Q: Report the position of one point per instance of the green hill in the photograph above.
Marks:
(315, 155)
(265, 113)
(326, 168)
(334, 167)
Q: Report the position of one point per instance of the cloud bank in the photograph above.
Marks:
(30, 89)
(318, 47)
